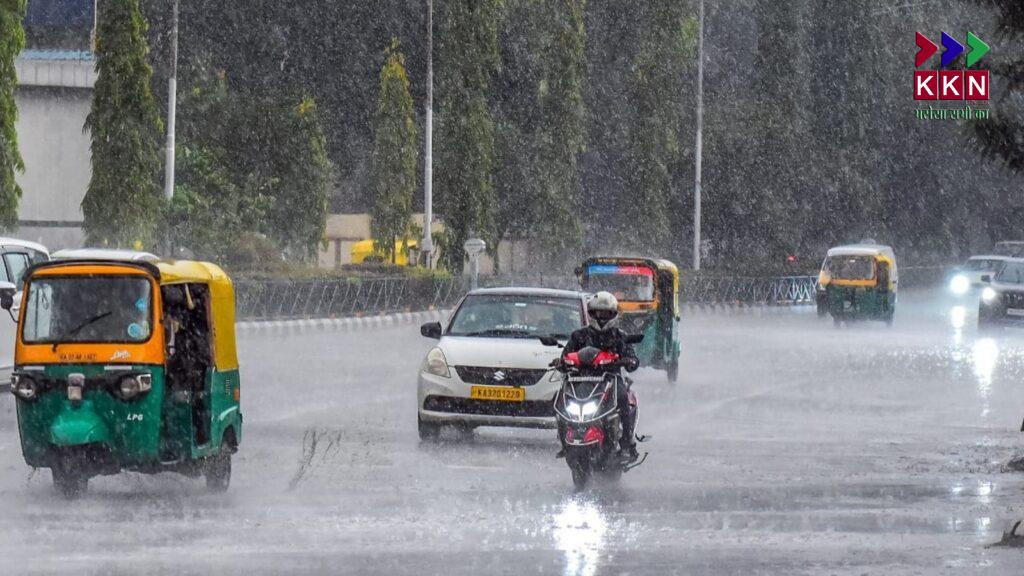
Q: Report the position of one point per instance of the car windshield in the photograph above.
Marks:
(516, 316)
(983, 265)
(1009, 248)
(627, 287)
(88, 309)
(1012, 273)
(851, 267)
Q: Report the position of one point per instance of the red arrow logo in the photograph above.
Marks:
(926, 49)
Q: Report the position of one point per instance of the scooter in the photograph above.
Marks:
(586, 410)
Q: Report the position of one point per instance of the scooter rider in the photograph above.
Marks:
(601, 333)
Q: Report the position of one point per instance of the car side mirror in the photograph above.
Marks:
(634, 338)
(7, 292)
(986, 278)
(431, 330)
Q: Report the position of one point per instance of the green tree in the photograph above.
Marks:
(561, 128)
(656, 131)
(122, 205)
(393, 167)
(466, 137)
(12, 40)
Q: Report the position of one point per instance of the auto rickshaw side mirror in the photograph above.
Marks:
(986, 278)
(431, 330)
(634, 338)
(7, 292)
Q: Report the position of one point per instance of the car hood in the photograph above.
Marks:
(497, 352)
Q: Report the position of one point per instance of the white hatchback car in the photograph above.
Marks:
(489, 367)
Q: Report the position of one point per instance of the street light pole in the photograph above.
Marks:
(172, 104)
(428, 158)
(699, 148)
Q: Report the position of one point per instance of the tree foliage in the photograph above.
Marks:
(12, 40)
(468, 60)
(395, 153)
(122, 205)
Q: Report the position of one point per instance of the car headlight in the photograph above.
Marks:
(24, 387)
(988, 294)
(436, 364)
(960, 284)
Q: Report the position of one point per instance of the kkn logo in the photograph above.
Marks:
(963, 84)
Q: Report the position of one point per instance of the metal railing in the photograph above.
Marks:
(749, 291)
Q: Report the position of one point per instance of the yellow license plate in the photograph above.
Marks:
(502, 393)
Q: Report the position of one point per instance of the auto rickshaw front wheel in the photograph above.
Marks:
(218, 469)
(673, 370)
(69, 479)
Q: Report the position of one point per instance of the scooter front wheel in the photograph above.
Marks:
(580, 465)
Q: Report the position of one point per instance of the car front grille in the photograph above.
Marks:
(528, 408)
(1013, 299)
(499, 376)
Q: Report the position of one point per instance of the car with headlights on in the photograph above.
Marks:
(1002, 298)
(489, 367)
(967, 279)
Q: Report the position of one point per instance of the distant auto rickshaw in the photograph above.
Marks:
(126, 364)
(648, 295)
(858, 282)
(364, 252)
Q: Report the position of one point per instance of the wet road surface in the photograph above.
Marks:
(788, 447)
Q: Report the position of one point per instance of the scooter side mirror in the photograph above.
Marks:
(634, 338)
(548, 340)
(431, 330)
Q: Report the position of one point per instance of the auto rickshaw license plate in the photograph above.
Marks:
(499, 393)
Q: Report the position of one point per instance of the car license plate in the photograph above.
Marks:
(501, 393)
(1015, 311)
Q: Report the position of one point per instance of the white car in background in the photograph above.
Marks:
(489, 367)
(17, 256)
(969, 278)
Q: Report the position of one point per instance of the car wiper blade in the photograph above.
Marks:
(80, 327)
(499, 332)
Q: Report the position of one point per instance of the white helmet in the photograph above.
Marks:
(602, 308)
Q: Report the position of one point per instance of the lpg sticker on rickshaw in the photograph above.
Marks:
(135, 417)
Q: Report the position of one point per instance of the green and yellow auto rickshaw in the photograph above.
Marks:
(127, 364)
(858, 282)
(648, 295)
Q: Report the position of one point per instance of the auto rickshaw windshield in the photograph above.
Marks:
(88, 309)
(851, 267)
(631, 284)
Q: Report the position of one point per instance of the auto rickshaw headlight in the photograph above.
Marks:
(24, 387)
(132, 386)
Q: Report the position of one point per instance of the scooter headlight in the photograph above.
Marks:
(436, 364)
(24, 387)
(574, 409)
(988, 294)
(959, 285)
(133, 386)
(590, 408)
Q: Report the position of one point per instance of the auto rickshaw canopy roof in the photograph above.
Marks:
(171, 272)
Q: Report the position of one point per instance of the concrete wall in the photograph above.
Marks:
(53, 99)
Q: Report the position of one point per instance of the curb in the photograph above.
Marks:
(348, 324)
(739, 309)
